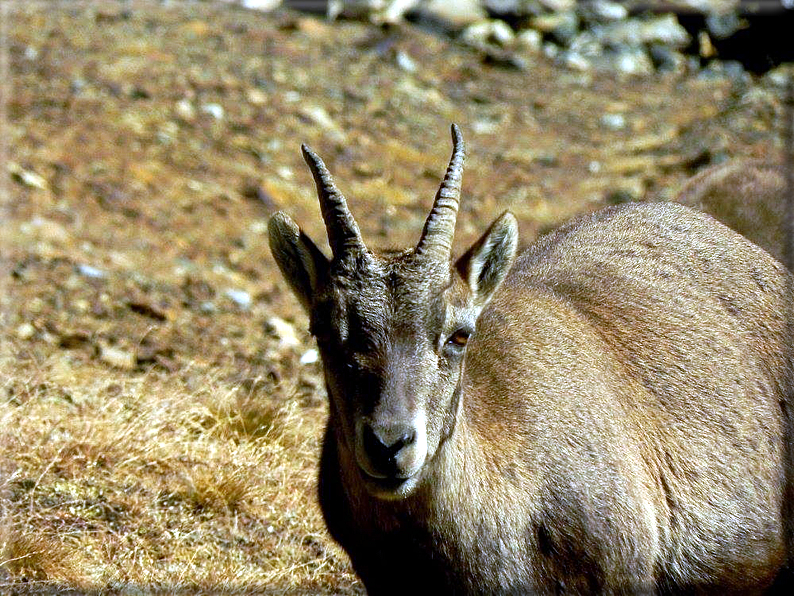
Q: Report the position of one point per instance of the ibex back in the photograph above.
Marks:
(601, 414)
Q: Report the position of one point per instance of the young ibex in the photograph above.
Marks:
(749, 196)
(603, 415)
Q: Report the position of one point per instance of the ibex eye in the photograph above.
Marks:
(460, 338)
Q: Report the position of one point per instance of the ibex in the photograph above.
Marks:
(746, 195)
(600, 415)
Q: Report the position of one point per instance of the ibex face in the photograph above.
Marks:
(392, 329)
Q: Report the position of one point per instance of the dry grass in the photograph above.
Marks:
(146, 484)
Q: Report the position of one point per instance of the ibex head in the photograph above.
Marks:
(393, 329)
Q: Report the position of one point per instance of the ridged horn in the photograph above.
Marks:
(436, 240)
(342, 229)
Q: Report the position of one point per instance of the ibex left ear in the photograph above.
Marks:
(486, 263)
(303, 264)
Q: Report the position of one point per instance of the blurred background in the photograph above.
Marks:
(162, 403)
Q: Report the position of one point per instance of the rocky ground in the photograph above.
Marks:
(161, 400)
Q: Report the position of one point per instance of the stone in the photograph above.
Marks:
(634, 32)
(613, 121)
(27, 177)
(490, 32)
(213, 109)
(91, 272)
(530, 40)
(602, 11)
(240, 297)
(283, 331)
(261, 5)
(587, 45)
(117, 357)
(666, 59)
(632, 61)
(454, 14)
(574, 60)
(562, 27)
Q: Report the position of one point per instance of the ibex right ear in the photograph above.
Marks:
(485, 265)
(301, 262)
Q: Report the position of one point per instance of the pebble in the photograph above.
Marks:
(25, 331)
(613, 121)
(240, 297)
(185, 110)
(117, 357)
(666, 59)
(633, 61)
(27, 177)
(405, 62)
(256, 97)
(530, 40)
(779, 77)
(455, 13)
(490, 32)
(310, 356)
(574, 60)
(208, 307)
(603, 11)
(562, 27)
(261, 5)
(284, 331)
(213, 109)
(90, 272)
(634, 32)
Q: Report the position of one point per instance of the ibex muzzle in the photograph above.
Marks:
(602, 414)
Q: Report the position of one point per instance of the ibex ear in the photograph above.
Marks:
(301, 262)
(485, 265)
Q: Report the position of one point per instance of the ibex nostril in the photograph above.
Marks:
(382, 447)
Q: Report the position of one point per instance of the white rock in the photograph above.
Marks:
(25, 331)
(27, 177)
(240, 297)
(493, 32)
(633, 62)
(603, 10)
(262, 5)
(613, 121)
(558, 5)
(633, 32)
(310, 356)
(185, 110)
(530, 40)
(455, 13)
(213, 109)
(282, 330)
(90, 272)
(405, 62)
(117, 357)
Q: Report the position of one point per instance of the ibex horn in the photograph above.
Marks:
(439, 229)
(343, 232)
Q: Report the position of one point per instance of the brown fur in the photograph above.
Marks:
(614, 425)
(746, 195)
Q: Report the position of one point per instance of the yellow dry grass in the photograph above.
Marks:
(149, 484)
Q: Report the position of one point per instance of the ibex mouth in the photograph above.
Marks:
(391, 456)
(391, 488)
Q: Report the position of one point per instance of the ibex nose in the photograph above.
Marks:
(383, 448)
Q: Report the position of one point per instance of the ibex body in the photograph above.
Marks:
(602, 415)
(746, 195)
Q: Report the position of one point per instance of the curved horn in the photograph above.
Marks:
(342, 229)
(436, 240)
